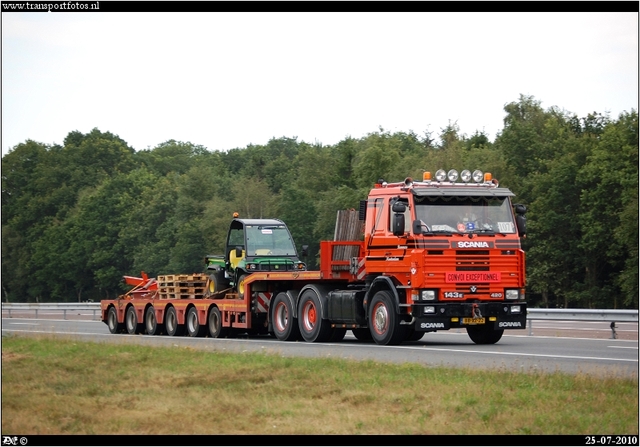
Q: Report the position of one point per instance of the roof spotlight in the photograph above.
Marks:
(478, 176)
(465, 175)
(452, 175)
(441, 176)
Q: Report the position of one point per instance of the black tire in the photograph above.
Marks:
(312, 327)
(240, 286)
(285, 326)
(151, 322)
(413, 335)
(337, 335)
(362, 334)
(216, 283)
(384, 322)
(484, 334)
(112, 321)
(131, 322)
(194, 328)
(171, 323)
(216, 330)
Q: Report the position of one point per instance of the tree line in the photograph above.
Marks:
(77, 217)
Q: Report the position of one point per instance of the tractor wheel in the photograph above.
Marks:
(285, 326)
(216, 283)
(312, 327)
(171, 323)
(240, 286)
(151, 322)
(194, 328)
(112, 321)
(131, 321)
(384, 322)
(484, 334)
(216, 330)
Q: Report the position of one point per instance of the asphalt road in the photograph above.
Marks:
(566, 346)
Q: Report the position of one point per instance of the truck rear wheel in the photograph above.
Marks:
(194, 328)
(112, 321)
(384, 322)
(216, 330)
(171, 323)
(362, 334)
(151, 322)
(484, 335)
(285, 326)
(312, 327)
(131, 321)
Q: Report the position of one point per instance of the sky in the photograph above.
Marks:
(228, 80)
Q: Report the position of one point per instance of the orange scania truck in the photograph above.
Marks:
(417, 257)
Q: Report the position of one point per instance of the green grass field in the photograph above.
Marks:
(58, 386)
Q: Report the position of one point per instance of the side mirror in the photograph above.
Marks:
(398, 224)
(305, 250)
(398, 207)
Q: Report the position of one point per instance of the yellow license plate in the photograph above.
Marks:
(473, 321)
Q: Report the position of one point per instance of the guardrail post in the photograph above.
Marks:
(613, 330)
(530, 327)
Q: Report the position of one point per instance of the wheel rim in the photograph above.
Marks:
(212, 286)
(309, 315)
(282, 317)
(241, 287)
(380, 318)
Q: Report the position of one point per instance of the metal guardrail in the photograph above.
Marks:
(64, 307)
(609, 315)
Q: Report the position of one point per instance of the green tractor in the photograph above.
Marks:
(253, 245)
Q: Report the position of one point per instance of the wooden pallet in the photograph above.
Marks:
(182, 286)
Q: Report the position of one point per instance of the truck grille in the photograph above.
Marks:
(472, 260)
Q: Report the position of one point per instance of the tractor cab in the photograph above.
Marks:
(253, 245)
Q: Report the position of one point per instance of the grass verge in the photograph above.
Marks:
(57, 386)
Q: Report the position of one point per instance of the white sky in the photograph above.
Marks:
(226, 80)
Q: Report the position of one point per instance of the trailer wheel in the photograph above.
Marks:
(216, 330)
(285, 326)
(362, 334)
(171, 323)
(151, 322)
(194, 328)
(131, 321)
(484, 335)
(312, 327)
(112, 321)
(384, 322)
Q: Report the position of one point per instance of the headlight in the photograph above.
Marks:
(429, 310)
(428, 295)
(515, 309)
(512, 294)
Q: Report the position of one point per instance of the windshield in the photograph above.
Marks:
(269, 240)
(465, 214)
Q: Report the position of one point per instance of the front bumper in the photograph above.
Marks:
(500, 315)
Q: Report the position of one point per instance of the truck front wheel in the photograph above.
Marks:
(285, 326)
(384, 322)
(484, 335)
(312, 327)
